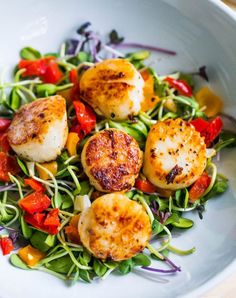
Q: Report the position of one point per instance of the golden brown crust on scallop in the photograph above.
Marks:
(114, 227)
(113, 87)
(175, 154)
(34, 119)
(112, 160)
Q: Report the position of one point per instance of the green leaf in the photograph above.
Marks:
(17, 262)
(22, 166)
(29, 53)
(163, 204)
(99, 268)
(219, 187)
(137, 56)
(57, 201)
(157, 227)
(141, 260)
(66, 202)
(26, 230)
(83, 57)
(60, 265)
(125, 266)
(15, 99)
(84, 275)
(183, 223)
(174, 218)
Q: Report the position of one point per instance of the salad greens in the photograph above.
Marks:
(62, 257)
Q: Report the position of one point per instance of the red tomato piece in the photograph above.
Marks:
(35, 202)
(199, 187)
(35, 185)
(145, 185)
(8, 164)
(6, 245)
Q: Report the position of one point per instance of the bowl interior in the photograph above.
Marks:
(202, 34)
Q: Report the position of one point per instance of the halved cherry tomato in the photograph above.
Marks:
(8, 164)
(35, 185)
(199, 187)
(35, 202)
(145, 185)
(4, 124)
(181, 86)
(6, 245)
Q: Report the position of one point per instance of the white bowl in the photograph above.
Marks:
(203, 33)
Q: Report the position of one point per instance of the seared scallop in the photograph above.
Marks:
(112, 160)
(175, 154)
(114, 88)
(114, 227)
(38, 131)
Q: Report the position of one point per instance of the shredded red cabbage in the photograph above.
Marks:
(169, 262)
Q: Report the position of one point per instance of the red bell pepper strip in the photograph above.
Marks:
(181, 86)
(46, 68)
(6, 245)
(52, 222)
(33, 67)
(199, 187)
(74, 78)
(199, 124)
(85, 116)
(35, 202)
(4, 124)
(144, 185)
(53, 74)
(35, 185)
(8, 164)
(208, 130)
(36, 220)
(48, 223)
(4, 144)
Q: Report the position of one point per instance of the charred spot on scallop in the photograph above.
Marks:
(175, 154)
(112, 160)
(114, 227)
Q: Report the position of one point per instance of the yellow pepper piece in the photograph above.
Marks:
(30, 255)
(150, 99)
(72, 142)
(212, 103)
(50, 166)
(66, 93)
